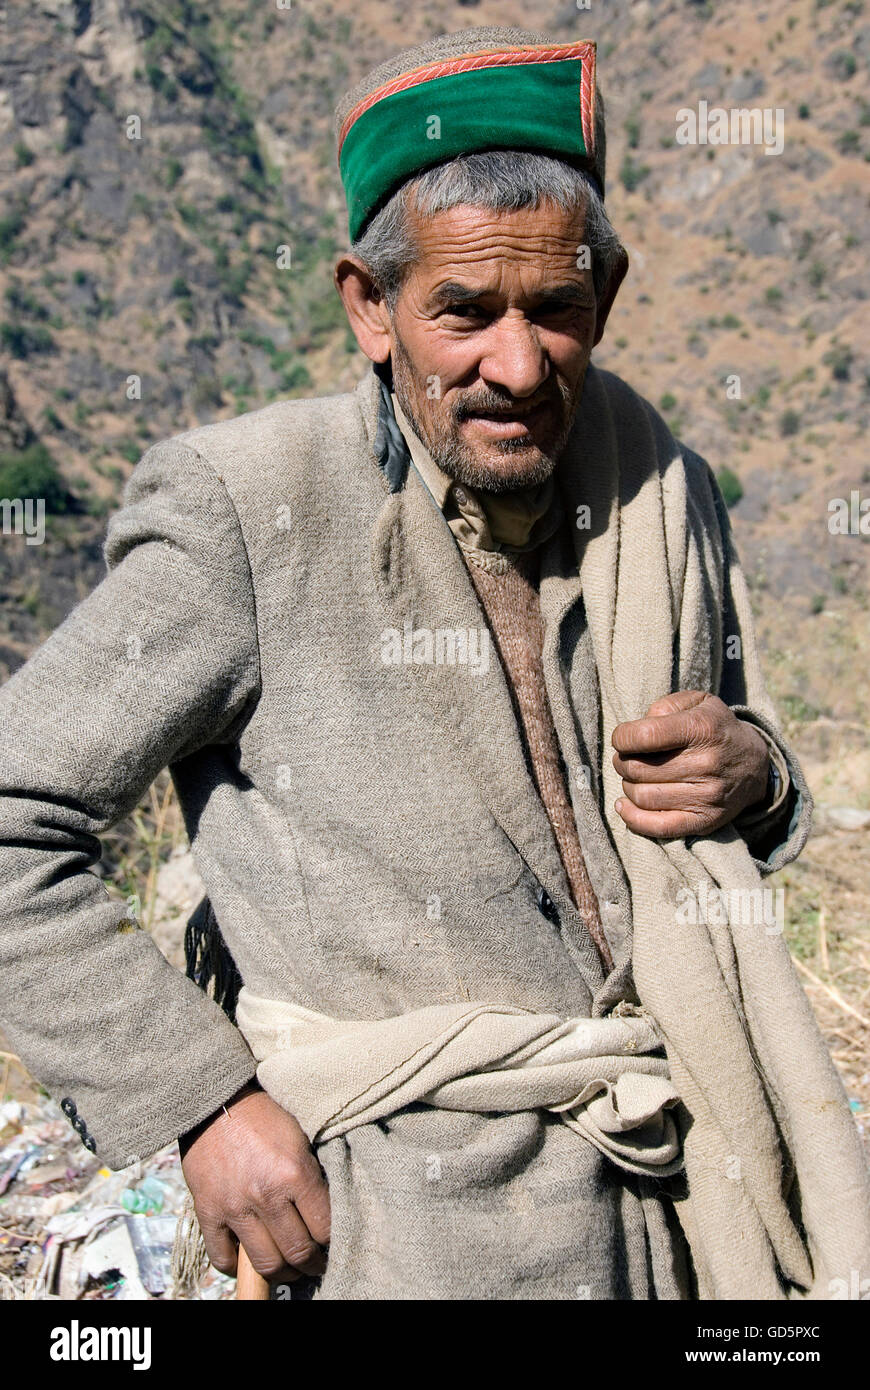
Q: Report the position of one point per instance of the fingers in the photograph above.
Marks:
(669, 825)
(277, 1249)
(265, 1256)
(672, 810)
(652, 735)
(298, 1178)
(220, 1245)
(278, 1240)
(681, 722)
(695, 798)
(687, 765)
(677, 700)
(290, 1234)
(311, 1197)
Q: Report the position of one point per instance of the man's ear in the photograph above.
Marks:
(364, 305)
(608, 294)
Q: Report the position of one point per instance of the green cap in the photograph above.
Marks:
(532, 96)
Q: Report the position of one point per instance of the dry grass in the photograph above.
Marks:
(828, 927)
(135, 849)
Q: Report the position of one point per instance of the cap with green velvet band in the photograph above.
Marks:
(533, 97)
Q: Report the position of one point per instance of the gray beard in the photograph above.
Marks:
(456, 460)
(459, 463)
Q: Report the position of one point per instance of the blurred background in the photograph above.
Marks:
(140, 294)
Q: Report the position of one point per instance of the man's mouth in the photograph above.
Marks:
(506, 424)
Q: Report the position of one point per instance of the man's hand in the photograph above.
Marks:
(255, 1179)
(688, 767)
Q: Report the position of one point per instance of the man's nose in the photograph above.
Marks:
(514, 358)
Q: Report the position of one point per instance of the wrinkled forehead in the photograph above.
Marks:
(478, 246)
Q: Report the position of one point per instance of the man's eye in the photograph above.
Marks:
(464, 311)
(553, 308)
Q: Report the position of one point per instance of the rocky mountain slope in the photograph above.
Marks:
(140, 291)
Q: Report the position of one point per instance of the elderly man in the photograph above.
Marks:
(456, 680)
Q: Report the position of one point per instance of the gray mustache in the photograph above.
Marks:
(497, 406)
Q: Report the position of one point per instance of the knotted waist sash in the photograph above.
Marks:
(607, 1078)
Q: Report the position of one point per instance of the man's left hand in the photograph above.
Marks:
(688, 767)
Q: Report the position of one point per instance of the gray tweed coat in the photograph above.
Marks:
(368, 833)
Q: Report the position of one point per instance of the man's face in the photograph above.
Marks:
(490, 341)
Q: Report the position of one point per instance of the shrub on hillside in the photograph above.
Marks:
(32, 472)
(730, 485)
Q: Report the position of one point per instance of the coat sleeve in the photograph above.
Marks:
(159, 660)
(777, 829)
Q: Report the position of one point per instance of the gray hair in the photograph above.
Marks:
(499, 181)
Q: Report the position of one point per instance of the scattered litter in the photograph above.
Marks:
(11, 1112)
(36, 1208)
(152, 1242)
(147, 1197)
(79, 1225)
(8, 1176)
(71, 1228)
(108, 1264)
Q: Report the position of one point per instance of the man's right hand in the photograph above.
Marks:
(254, 1179)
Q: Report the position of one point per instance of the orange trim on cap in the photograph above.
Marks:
(491, 58)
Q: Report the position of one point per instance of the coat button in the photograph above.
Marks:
(90, 1144)
(546, 905)
(68, 1107)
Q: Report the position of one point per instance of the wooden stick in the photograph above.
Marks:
(250, 1284)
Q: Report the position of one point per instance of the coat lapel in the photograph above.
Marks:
(425, 589)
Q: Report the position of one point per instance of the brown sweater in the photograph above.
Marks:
(511, 603)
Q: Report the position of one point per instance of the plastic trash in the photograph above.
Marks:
(147, 1197)
(152, 1242)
